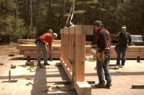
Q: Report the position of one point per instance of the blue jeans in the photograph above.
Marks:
(103, 69)
(43, 47)
(123, 59)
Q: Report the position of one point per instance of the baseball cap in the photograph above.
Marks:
(123, 27)
(98, 23)
(55, 34)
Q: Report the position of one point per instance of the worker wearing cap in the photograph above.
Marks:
(124, 40)
(45, 43)
(103, 54)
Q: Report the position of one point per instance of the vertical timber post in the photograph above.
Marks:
(73, 57)
(80, 58)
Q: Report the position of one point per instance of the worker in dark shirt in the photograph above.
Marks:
(103, 54)
(44, 43)
(124, 41)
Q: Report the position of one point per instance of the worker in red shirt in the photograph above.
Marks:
(44, 42)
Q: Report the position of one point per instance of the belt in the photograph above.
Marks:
(106, 49)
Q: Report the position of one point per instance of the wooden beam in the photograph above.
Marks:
(83, 88)
(69, 74)
(79, 64)
(35, 56)
(62, 43)
(137, 86)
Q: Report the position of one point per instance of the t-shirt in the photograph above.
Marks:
(46, 38)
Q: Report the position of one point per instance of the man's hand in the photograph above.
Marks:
(97, 55)
(49, 50)
(46, 44)
(100, 56)
(128, 46)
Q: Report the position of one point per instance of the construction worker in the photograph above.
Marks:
(103, 54)
(44, 42)
(124, 40)
(50, 54)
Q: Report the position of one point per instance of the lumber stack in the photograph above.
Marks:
(132, 52)
(27, 47)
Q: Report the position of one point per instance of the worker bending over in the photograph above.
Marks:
(44, 43)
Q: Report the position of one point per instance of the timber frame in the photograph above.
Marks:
(73, 56)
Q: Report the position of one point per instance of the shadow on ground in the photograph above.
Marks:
(42, 84)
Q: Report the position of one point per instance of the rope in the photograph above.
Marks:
(70, 17)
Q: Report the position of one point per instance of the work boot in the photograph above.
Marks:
(100, 85)
(46, 63)
(50, 59)
(120, 66)
(40, 65)
(108, 84)
(117, 67)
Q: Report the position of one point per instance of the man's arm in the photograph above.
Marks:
(129, 37)
(50, 49)
(103, 41)
(117, 35)
(50, 46)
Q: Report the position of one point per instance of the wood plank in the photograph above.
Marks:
(87, 29)
(132, 48)
(88, 50)
(34, 52)
(62, 40)
(69, 74)
(79, 64)
(35, 56)
(137, 86)
(67, 51)
(70, 52)
(26, 41)
(32, 47)
(83, 88)
(31, 41)
(55, 48)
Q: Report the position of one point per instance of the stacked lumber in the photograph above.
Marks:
(27, 47)
(131, 53)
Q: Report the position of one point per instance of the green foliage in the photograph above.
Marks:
(11, 24)
(14, 27)
(79, 12)
(15, 20)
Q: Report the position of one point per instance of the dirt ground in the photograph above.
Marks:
(49, 81)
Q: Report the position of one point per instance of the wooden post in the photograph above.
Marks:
(62, 41)
(73, 47)
(80, 58)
